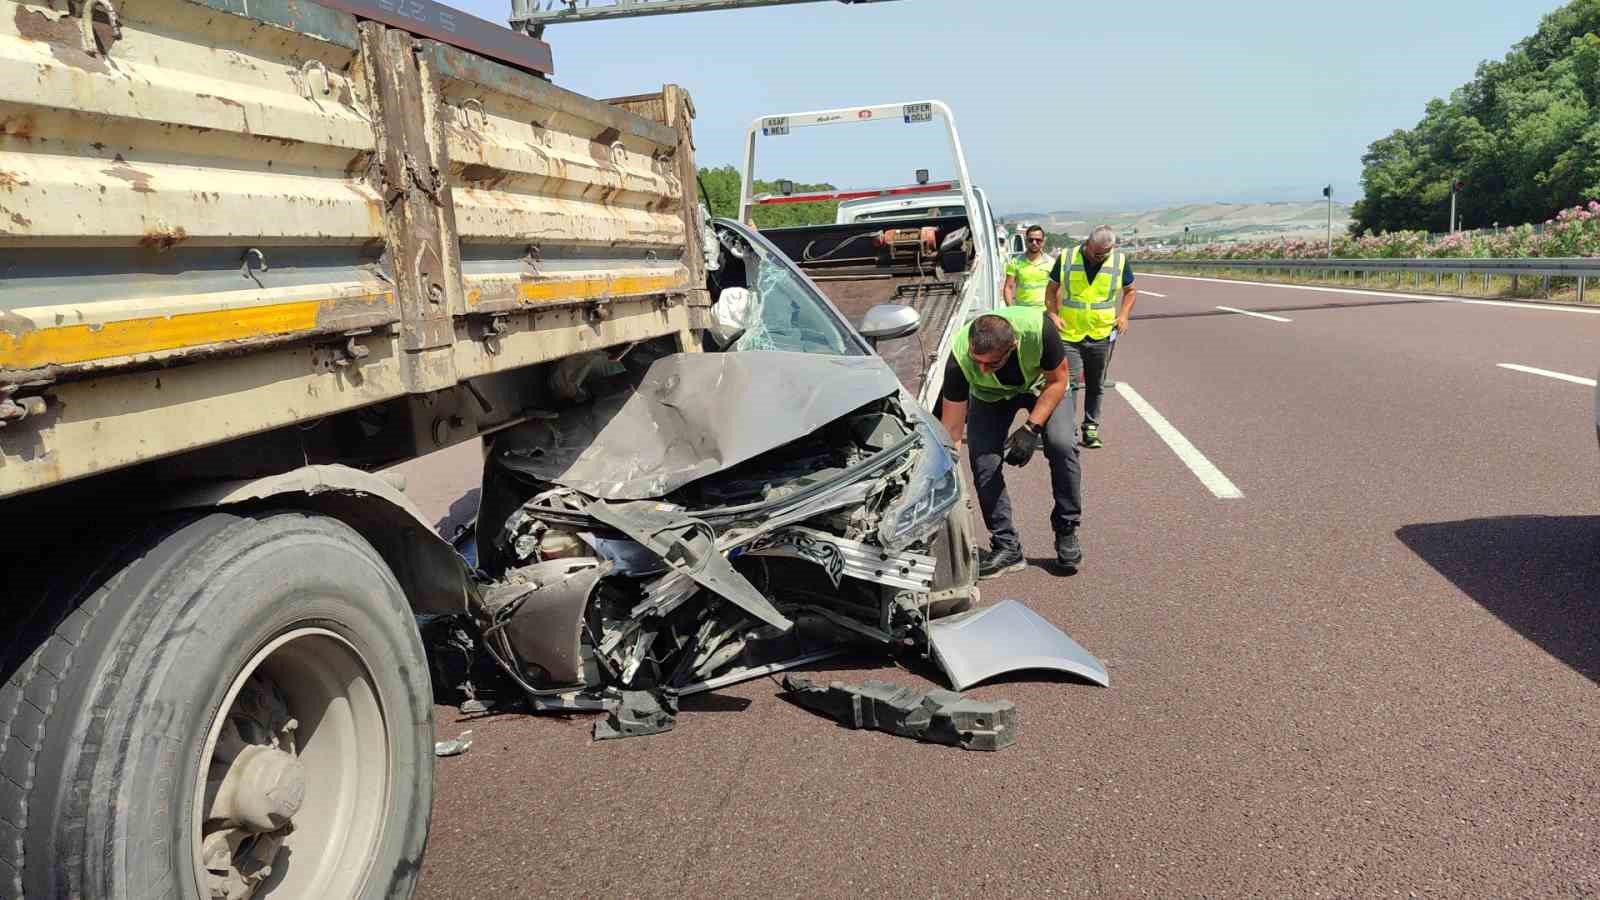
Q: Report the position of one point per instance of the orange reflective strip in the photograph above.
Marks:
(68, 344)
(595, 288)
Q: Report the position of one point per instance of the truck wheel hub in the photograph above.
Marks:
(285, 810)
(270, 787)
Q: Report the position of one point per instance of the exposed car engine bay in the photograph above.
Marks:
(668, 565)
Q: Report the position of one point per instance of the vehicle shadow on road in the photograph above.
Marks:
(713, 702)
(1538, 574)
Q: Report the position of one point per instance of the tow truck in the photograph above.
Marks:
(910, 280)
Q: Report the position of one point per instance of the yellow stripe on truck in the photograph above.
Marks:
(67, 344)
(594, 288)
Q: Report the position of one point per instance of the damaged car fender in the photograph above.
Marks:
(1007, 637)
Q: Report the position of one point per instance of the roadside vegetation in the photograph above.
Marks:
(1573, 232)
(721, 185)
(1523, 136)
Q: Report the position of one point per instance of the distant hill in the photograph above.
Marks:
(1206, 221)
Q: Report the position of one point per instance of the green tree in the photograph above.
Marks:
(1524, 136)
(721, 185)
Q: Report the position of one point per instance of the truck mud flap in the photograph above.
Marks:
(1007, 637)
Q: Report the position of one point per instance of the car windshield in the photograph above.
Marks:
(794, 315)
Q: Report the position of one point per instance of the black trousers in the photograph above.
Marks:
(988, 425)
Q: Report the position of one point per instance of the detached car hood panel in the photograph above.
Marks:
(696, 414)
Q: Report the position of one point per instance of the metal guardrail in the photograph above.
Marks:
(1579, 268)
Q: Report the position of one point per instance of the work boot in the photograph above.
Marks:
(999, 561)
(1091, 436)
(1069, 553)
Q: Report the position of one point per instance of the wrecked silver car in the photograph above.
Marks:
(699, 518)
(685, 521)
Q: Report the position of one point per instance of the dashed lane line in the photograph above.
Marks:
(1188, 453)
(1559, 376)
(1246, 312)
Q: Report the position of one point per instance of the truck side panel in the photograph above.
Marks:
(140, 177)
(214, 224)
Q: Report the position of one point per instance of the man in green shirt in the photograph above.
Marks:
(1026, 276)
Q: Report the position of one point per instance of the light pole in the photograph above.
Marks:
(1327, 191)
(1455, 188)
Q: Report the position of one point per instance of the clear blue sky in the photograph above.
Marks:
(1061, 105)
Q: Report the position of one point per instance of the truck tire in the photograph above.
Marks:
(238, 705)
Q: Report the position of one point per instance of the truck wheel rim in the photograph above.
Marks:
(294, 785)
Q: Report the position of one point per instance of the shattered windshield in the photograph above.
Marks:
(793, 316)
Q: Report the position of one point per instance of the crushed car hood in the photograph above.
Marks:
(696, 414)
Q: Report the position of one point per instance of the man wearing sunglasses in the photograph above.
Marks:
(1083, 299)
(1026, 276)
(1009, 361)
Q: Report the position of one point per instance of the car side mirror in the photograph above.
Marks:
(888, 321)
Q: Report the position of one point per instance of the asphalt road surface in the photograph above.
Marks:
(1369, 667)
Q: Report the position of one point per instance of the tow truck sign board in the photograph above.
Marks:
(889, 112)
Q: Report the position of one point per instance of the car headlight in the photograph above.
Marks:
(933, 490)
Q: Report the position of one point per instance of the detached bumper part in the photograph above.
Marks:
(937, 716)
(639, 713)
(1007, 637)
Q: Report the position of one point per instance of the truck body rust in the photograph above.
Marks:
(207, 187)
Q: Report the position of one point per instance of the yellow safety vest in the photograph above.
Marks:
(1028, 324)
(1089, 308)
(1032, 278)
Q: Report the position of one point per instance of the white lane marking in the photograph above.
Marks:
(1530, 304)
(1152, 294)
(1246, 312)
(1560, 376)
(1209, 475)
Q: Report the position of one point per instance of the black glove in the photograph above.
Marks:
(1021, 444)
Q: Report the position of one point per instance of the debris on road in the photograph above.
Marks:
(454, 747)
(936, 716)
(638, 713)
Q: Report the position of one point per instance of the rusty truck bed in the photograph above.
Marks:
(934, 298)
(217, 220)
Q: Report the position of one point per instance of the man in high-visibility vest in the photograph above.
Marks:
(1005, 362)
(1091, 294)
(1026, 276)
